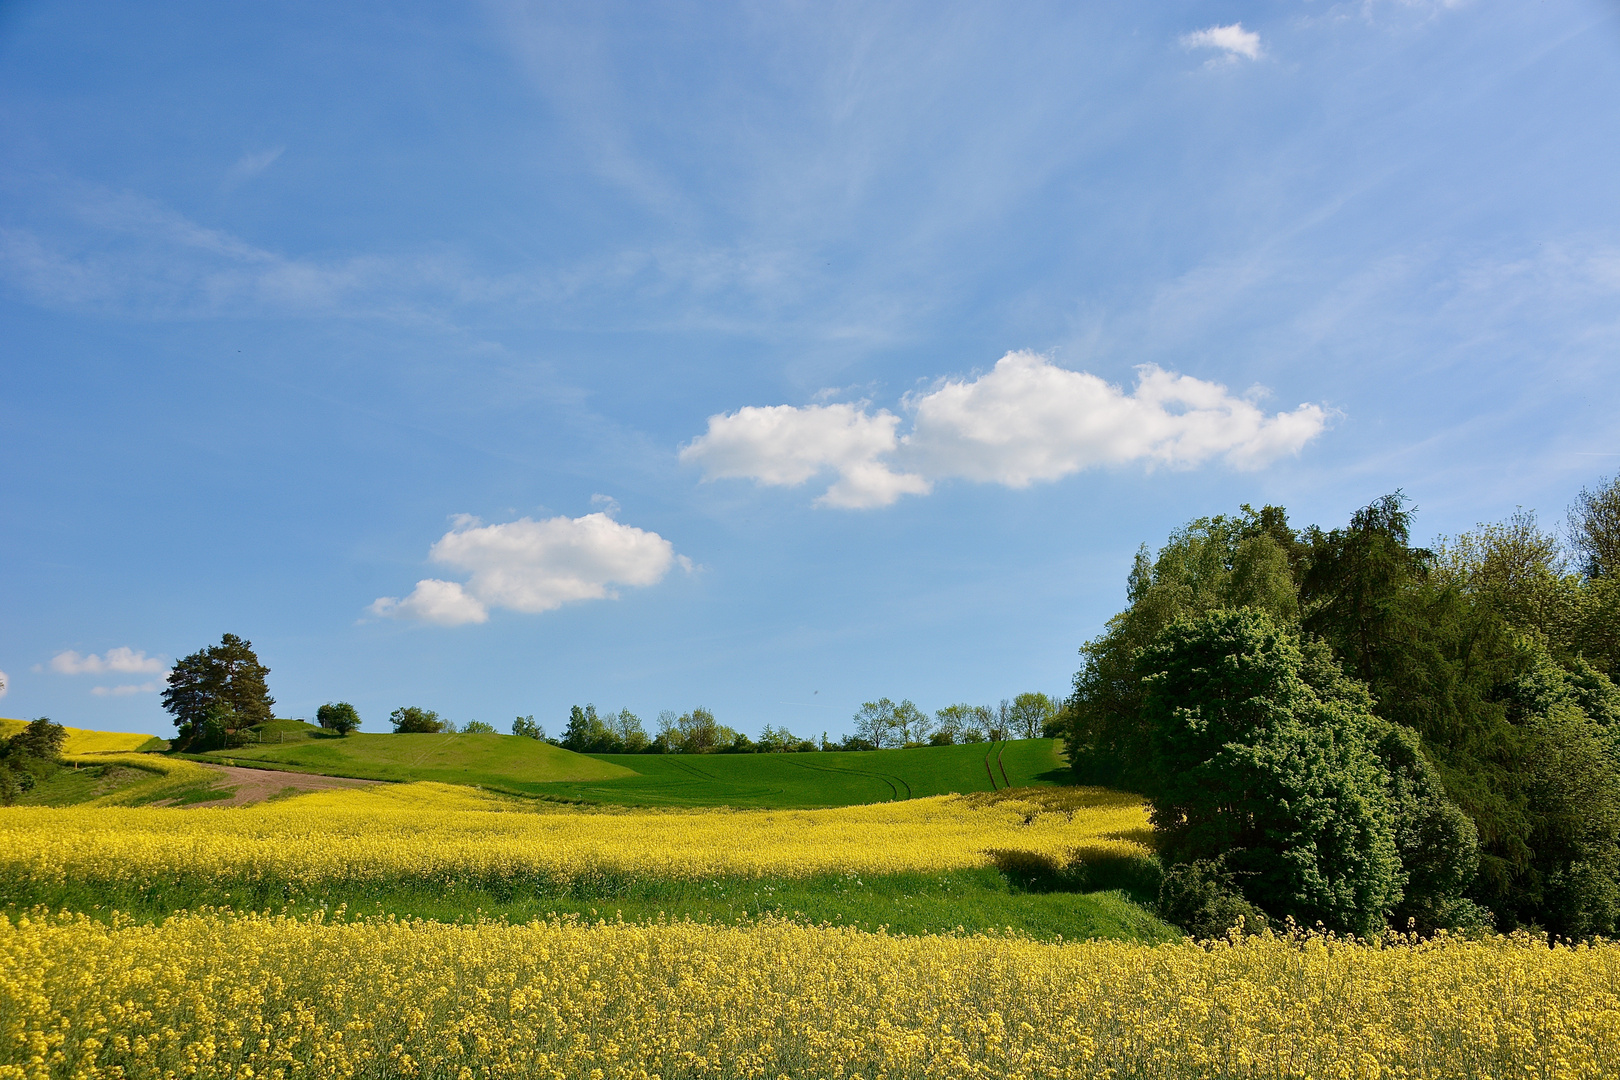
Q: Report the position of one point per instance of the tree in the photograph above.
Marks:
(411, 720)
(29, 756)
(340, 717)
(525, 727)
(1252, 559)
(911, 724)
(43, 739)
(228, 674)
(961, 723)
(874, 723)
(1594, 528)
(1253, 768)
(1030, 714)
(631, 734)
(478, 727)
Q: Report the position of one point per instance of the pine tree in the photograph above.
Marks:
(228, 674)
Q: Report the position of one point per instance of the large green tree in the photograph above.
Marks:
(1252, 767)
(221, 686)
(1213, 563)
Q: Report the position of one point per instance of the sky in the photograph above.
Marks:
(770, 357)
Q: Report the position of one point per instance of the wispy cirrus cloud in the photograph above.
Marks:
(122, 659)
(126, 689)
(252, 164)
(1025, 421)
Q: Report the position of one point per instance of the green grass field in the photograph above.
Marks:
(501, 762)
(836, 778)
(526, 767)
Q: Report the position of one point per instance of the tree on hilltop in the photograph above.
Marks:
(221, 686)
(411, 720)
(340, 717)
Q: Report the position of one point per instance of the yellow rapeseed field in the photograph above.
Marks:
(434, 834)
(218, 995)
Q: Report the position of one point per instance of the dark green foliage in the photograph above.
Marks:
(1203, 898)
(28, 757)
(478, 727)
(525, 727)
(339, 716)
(221, 689)
(1251, 766)
(1437, 843)
(1489, 666)
(42, 740)
(410, 720)
(1211, 564)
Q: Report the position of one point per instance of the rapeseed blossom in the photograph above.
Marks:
(213, 994)
(430, 835)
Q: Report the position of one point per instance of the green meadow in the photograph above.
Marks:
(528, 767)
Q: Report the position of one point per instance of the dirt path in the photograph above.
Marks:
(257, 785)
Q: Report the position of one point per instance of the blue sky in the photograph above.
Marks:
(769, 357)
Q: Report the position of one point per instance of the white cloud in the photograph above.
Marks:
(1233, 41)
(442, 602)
(533, 566)
(127, 689)
(784, 446)
(1026, 420)
(122, 659)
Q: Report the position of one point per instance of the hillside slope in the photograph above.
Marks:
(836, 778)
(505, 762)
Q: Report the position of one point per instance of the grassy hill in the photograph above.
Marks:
(508, 763)
(502, 762)
(837, 778)
(82, 741)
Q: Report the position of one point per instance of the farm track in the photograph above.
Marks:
(249, 786)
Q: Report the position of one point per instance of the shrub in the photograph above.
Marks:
(340, 717)
(410, 720)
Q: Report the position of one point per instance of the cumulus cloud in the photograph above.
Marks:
(1232, 41)
(1026, 420)
(784, 446)
(533, 566)
(123, 660)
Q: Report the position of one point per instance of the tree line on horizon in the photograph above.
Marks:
(1337, 726)
(220, 692)
(878, 725)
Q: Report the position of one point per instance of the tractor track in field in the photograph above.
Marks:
(885, 777)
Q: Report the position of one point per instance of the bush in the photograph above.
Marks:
(340, 717)
(478, 727)
(410, 720)
(1203, 899)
